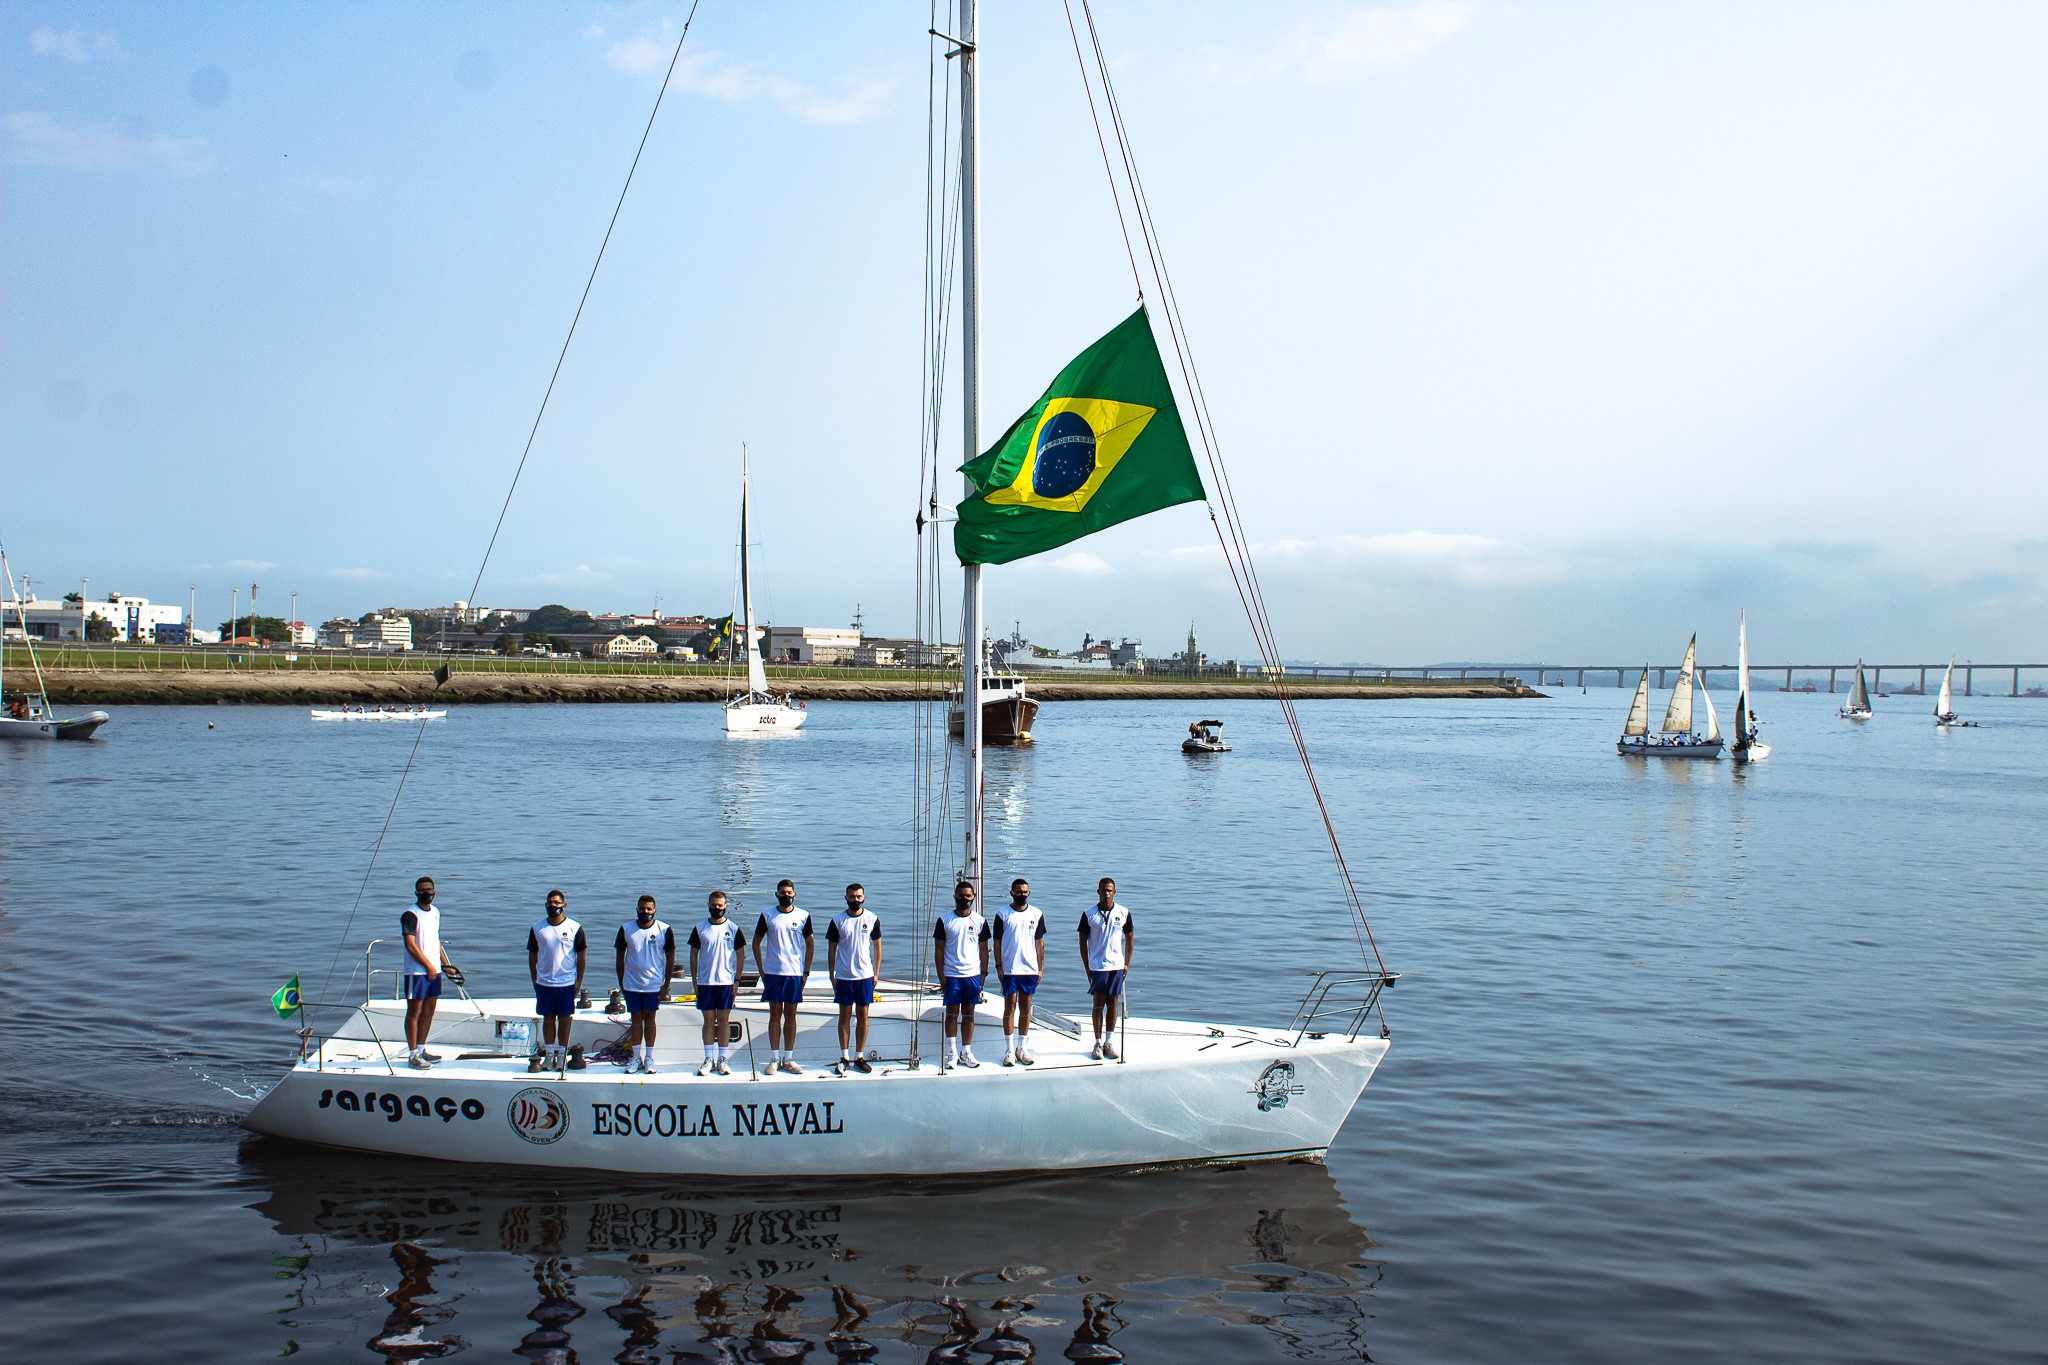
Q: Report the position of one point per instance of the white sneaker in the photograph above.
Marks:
(1024, 1058)
(646, 1068)
(1109, 1049)
(1009, 1059)
(1095, 1053)
(967, 1058)
(790, 1068)
(419, 1063)
(721, 1069)
(707, 1069)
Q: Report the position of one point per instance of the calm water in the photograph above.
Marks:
(1688, 1063)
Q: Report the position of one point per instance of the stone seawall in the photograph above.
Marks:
(144, 687)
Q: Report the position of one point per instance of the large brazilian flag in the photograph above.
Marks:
(1103, 445)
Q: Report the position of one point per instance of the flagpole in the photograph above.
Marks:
(970, 421)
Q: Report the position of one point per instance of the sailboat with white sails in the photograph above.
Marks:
(756, 711)
(1945, 705)
(1746, 747)
(1175, 1092)
(1676, 737)
(1859, 698)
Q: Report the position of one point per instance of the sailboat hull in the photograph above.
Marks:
(1755, 753)
(1645, 748)
(763, 718)
(1188, 1094)
(47, 727)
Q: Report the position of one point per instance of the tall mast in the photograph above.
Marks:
(756, 678)
(970, 422)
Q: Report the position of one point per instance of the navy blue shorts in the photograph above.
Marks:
(860, 992)
(1106, 983)
(710, 998)
(961, 990)
(782, 990)
(1020, 985)
(643, 1002)
(420, 986)
(554, 1000)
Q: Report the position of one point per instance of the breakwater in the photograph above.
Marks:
(146, 687)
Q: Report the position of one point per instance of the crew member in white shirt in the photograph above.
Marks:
(960, 958)
(1020, 962)
(1107, 938)
(782, 954)
(716, 946)
(425, 962)
(646, 951)
(555, 953)
(854, 940)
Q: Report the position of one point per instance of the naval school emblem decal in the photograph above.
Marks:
(1276, 1086)
(538, 1115)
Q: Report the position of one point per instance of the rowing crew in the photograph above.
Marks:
(644, 952)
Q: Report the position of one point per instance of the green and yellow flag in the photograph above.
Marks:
(286, 1001)
(1103, 445)
(721, 633)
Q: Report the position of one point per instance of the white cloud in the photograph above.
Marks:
(33, 138)
(715, 76)
(358, 575)
(1082, 563)
(243, 566)
(71, 45)
(1364, 42)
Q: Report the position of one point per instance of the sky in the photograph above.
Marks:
(1532, 332)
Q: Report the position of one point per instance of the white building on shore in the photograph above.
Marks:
(134, 620)
(812, 644)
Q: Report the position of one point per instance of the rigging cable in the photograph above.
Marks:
(1229, 529)
(441, 674)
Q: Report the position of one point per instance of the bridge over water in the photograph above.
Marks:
(1794, 676)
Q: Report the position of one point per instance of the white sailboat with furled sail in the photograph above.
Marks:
(1745, 747)
(1105, 444)
(1945, 704)
(1859, 698)
(756, 711)
(1675, 738)
(27, 714)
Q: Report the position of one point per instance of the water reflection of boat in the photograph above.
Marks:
(1008, 1270)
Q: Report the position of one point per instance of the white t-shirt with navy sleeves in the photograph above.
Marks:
(718, 944)
(962, 936)
(1017, 934)
(780, 935)
(1105, 931)
(852, 938)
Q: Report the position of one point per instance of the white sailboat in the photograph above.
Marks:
(1746, 748)
(1676, 737)
(27, 714)
(1945, 705)
(1859, 698)
(1176, 1092)
(757, 711)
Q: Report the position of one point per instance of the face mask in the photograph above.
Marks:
(781, 899)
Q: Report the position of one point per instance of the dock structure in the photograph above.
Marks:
(1575, 675)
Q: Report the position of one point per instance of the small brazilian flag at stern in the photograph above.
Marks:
(286, 1001)
(1105, 444)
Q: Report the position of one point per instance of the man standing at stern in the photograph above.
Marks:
(555, 953)
(782, 954)
(1020, 961)
(425, 961)
(1107, 938)
(854, 939)
(646, 951)
(716, 946)
(960, 957)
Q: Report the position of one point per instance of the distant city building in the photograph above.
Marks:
(812, 644)
(339, 633)
(626, 647)
(134, 620)
(302, 634)
(387, 629)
